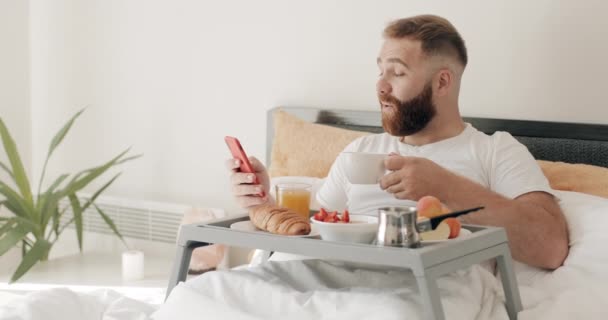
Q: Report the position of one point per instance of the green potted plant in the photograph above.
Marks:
(35, 221)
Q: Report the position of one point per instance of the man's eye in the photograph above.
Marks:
(397, 74)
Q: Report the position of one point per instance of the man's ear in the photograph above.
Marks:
(444, 81)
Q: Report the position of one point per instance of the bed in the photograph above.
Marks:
(332, 291)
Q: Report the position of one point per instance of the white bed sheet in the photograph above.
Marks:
(67, 304)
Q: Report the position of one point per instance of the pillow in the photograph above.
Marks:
(576, 177)
(301, 148)
(587, 224)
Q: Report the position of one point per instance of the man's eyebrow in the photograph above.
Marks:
(393, 60)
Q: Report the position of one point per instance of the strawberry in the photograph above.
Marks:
(346, 216)
(320, 216)
(330, 219)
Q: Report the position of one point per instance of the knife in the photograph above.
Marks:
(432, 223)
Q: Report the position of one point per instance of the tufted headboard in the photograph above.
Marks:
(552, 141)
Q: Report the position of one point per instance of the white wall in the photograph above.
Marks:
(171, 78)
(14, 77)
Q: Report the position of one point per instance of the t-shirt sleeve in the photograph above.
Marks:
(514, 170)
(333, 194)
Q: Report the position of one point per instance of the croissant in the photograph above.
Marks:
(275, 219)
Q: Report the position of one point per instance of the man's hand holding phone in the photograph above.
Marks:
(250, 181)
(246, 192)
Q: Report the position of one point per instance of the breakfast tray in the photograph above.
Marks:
(427, 262)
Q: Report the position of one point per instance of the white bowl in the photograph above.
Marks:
(360, 229)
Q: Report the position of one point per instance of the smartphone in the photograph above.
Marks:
(238, 153)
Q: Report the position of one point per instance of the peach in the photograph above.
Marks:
(429, 206)
(445, 209)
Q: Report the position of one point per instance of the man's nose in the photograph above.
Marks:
(383, 87)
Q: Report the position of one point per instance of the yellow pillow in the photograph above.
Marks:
(576, 177)
(301, 148)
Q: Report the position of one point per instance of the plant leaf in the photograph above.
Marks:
(50, 203)
(57, 182)
(111, 224)
(12, 237)
(76, 185)
(15, 203)
(50, 200)
(40, 249)
(27, 223)
(13, 155)
(98, 192)
(77, 211)
(56, 220)
(2, 204)
(63, 132)
(129, 159)
(7, 226)
(56, 142)
(7, 169)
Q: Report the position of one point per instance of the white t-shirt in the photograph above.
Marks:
(498, 162)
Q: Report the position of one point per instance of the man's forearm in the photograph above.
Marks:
(532, 230)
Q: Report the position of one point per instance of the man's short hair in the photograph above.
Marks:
(438, 35)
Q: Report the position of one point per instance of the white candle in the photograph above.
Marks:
(132, 265)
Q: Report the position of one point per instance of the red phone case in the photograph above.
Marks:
(237, 152)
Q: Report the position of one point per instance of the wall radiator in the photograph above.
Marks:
(154, 221)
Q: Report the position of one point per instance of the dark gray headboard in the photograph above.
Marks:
(553, 141)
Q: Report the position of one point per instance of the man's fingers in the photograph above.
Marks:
(401, 195)
(246, 190)
(389, 179)
(256, 164)
(233, 164)
(394, 162)
(241, 177)
(250, 201)
(396, 188)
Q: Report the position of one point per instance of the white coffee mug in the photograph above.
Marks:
(364, 167)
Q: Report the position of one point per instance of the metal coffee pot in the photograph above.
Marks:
(397, 227)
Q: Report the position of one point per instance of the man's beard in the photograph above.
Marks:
(411, 116)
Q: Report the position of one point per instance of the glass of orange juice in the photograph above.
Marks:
(295, 196)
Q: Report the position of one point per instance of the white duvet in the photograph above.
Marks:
(317, 289)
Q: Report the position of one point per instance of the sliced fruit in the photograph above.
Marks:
(454, 225)
(442, 232)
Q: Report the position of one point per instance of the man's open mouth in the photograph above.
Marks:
(386, 105)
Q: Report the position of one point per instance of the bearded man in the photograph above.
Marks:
(434, 152)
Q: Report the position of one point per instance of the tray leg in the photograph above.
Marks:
(509, 283)
(431, 301)
(180, 266)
